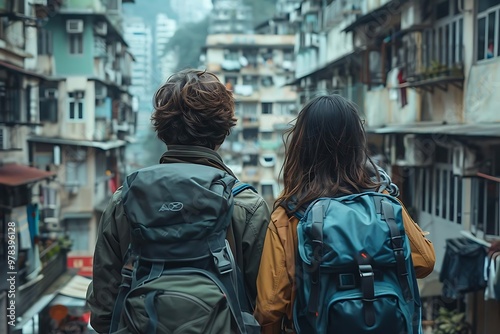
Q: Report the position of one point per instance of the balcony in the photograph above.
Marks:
(53, 259)
(250, 174)
(335, 12)
(310, 6)
(432, 63)
(84, 6)
(250, 122)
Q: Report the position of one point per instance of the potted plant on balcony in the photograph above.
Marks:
(451, 322)
(437, 69)
(457, 70)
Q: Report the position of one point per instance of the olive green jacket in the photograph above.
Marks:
(250, 221)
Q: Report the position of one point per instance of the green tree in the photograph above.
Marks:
(187, 42)
(262, 10)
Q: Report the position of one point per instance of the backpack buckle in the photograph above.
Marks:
(347, 281)
(365, 270)
(223, 265)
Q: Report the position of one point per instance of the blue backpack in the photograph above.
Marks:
(354, 271)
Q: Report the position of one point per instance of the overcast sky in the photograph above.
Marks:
(149, 8)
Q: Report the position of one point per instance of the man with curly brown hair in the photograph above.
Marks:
(193, 114)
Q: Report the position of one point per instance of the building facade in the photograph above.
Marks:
(423, 74)
(66, 116)
(166, 60)
(230, 17)
(255, 68)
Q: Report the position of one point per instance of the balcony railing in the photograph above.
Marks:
(335, 12)
(432, 62)
(54, 265)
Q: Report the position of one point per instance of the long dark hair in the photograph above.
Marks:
(326, 152)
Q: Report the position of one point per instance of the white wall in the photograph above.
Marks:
(482, 100)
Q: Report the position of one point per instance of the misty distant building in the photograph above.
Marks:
(280, 23)
(230, 17)
(256, 69)
(139, 37)
(165, 60)
(189, 11)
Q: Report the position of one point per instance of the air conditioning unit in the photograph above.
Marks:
(51, 93)
(4, 138)
(101, 28)
(315, 40)
(268, 160)
(464, 160)
(74, 26)
(417, 153)
(79, 94)
(52, 224)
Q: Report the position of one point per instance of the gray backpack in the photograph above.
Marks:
(180, 275)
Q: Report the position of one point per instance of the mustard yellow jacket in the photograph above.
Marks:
(276, 278)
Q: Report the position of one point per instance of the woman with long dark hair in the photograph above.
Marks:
(326, 156)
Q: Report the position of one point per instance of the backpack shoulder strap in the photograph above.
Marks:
(290, 207)
(240, 186)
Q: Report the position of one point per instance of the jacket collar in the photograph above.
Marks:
(194, 154)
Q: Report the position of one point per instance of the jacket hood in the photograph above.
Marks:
(194, 154)
(384, 179)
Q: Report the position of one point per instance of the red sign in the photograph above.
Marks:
(83, 263)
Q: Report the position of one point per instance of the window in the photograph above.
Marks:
(231, 82)
(486, 4)
(251, 80)
(488, 36)
(100, 47)
(78, 231)
(248, 109)
(267, 81)
(485, 205)
(231, 55)
(441, 193)
(76, 44)
(44, 42)
(76, 173)
(76, 105)
(266, 135)
(442, 9)
(444, 43)
(267, 108)
(113, 5)
(267, 190)
(286, 109)
(48, 105)
(250, 160)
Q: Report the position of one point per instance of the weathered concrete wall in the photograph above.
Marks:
(482, 100)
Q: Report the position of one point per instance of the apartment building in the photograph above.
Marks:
(66, 117)
(166, 60)
(423, 74)
(256, 68)
(230, 17)
(89, 114)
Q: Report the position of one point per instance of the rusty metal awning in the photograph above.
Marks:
(103, 145)
(14, 175)
(469, 130)
(13, 68)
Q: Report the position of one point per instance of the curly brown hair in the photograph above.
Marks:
(193, 108)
